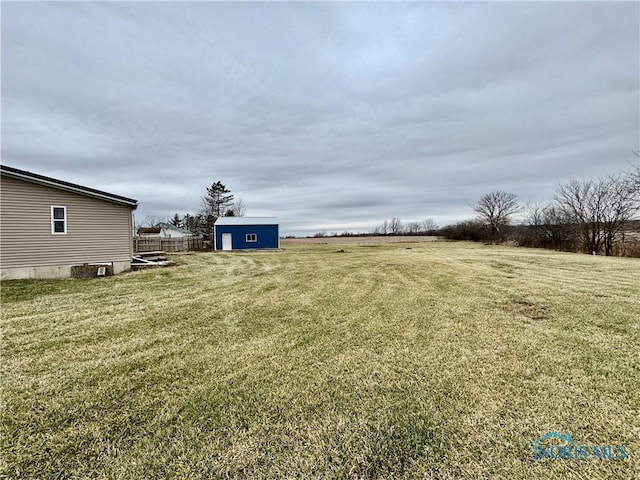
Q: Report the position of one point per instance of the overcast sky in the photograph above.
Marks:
(330, 116)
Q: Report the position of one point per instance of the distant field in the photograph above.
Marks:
(365, 241)
(424, 360)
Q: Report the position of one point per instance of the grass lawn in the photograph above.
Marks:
(442, 360)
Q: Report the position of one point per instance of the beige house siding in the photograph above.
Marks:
(98, 231)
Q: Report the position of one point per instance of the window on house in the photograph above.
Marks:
(252, 237)
(58, 220)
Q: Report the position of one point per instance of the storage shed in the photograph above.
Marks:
(246, 233)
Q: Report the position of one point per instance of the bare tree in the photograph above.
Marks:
(494, 210)
(395, 226)
(599, 208)
(550, 227)
(634, 180)
(239, 208)
(428, 225)
(152, 220)
(634, 177)
(620, 206)
(413, 228)
(383, 228)
(580, 202)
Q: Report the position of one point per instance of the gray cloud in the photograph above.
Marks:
(330, 116)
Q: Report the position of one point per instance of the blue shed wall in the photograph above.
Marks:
(267, 236)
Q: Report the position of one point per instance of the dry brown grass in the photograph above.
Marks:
(433, 360)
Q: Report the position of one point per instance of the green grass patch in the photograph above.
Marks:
(445, 360)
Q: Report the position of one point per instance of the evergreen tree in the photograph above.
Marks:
(189, 222)
(217, 200)
(175, 221)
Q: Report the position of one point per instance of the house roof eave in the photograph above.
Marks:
(68, 186)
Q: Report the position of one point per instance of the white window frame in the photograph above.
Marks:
(255, 237)
(63, 220)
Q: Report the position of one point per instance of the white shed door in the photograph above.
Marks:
(226, 241)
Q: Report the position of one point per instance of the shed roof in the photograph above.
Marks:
(154, 230)
(70, 187)
(246, 221)
(169, 226)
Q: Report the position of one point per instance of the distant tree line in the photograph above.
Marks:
(394, 226)
(591, 216)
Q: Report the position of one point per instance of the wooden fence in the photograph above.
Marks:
(153, 244)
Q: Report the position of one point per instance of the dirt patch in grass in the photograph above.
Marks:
(527, 310)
